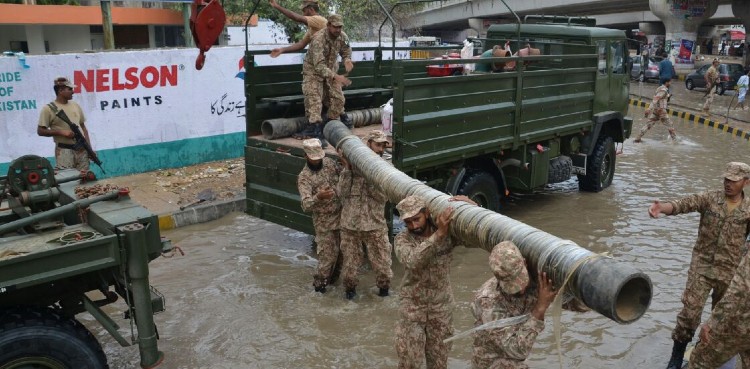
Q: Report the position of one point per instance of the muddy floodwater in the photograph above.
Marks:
(242, 295)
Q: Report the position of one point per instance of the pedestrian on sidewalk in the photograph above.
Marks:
(712, 78)
(665, 69)
(742, 86)
(657, 112)
(722, 231)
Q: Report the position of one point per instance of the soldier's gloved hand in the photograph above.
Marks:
(348, 65)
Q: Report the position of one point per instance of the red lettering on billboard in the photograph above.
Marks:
(117, 79)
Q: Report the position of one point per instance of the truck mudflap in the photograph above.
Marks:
(579, 164)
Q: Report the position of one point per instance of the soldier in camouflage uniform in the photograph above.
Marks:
(425, 249)
(316, 184)
(727, 331)
(363, 221)
(319, 76)
(657, 112)
(724, 226)
(712, 79)
(508, 294)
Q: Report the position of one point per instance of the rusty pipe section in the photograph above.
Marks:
(284, 127)
(611, 288)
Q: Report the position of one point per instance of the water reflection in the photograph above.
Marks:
(242, 296)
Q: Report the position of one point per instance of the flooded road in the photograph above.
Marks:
(242, 295)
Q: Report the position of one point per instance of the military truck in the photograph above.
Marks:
(554, 115)
(70, 245)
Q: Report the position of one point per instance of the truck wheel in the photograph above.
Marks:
(560, 169)
(44, 339)
(600, 169)
(482, 188)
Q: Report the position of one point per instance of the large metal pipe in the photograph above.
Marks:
(56, 212)
(611, 288)
(285, 127)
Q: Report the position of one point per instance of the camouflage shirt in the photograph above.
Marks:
(321, 56)
(660, 99)
(731, 317)
(508, 347)
(325, 213)
(362, 204)
(427, 264)
(721, 235)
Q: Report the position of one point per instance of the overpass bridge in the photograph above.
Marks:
(454, 20)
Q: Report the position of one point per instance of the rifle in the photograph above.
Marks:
(78, 135)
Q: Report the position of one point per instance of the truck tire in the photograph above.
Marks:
(42, 338)
(560, 169)
(600, 169)
(481, 187)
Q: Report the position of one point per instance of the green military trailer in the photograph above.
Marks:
(70, 245)
(551, 114)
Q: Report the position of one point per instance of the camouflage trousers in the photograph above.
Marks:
(420, 334)
(694, 298)
(328, 253)
(71, 159)
(723, 347)
(378, 251)
(663, 119)
(318, 93)
(709, 98)
(507, 364)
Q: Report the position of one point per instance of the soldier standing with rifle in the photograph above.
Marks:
(70, 151)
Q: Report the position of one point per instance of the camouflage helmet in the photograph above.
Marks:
(376, 135)
(736, 171)
(509, 267)
(410, 206)
(313, 149)
(336, 20)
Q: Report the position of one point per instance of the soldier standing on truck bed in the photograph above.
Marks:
(425, 249)
(657, 112)
(320, 80)
(724, 227)
(310, 18)
(363, 221)
(317, 191)
(66, 154)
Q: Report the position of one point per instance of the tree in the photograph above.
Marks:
(362, 19)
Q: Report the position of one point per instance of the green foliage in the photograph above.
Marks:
(362, 18)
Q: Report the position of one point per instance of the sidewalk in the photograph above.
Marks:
(189, 195)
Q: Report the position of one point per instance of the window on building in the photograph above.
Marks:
(169, 36)
(19, 46)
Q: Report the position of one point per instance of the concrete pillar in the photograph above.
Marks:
(477, 24)
(35, 39)
(741, 10)
(652, 30)
(151, 36)
(681, 28)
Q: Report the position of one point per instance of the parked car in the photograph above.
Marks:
(729, 74)
(651, 72)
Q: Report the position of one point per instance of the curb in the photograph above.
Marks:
(201, 214)
(698, 119)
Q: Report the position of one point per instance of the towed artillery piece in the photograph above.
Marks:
(62, 255)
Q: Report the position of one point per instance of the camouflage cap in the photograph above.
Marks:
(376, 135)
(736, 171)
(307, 3)
(335, 20)
(64, 81)
(313, 149)
(509, 267)
(410, 206)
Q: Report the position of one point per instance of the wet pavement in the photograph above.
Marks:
(241, 297)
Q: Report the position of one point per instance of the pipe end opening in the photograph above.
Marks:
(267, 129)
(633, 299)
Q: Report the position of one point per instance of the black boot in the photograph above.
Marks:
(310, 130)
(678, 353)
(321, 137)
(383, 292)
(351, 294)
(346, 120)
